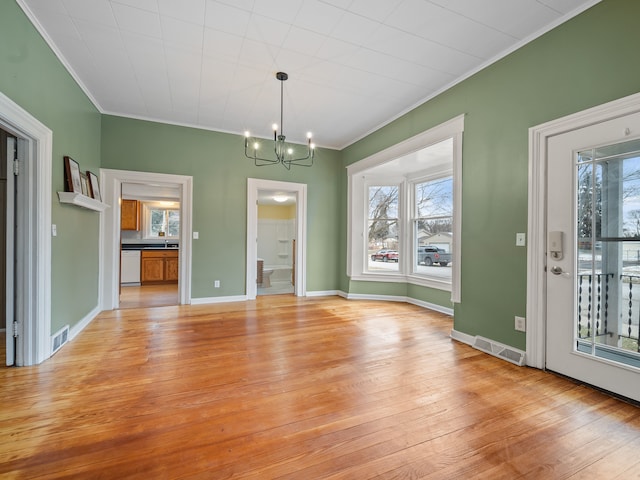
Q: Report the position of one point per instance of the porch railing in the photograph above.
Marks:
(594, 308)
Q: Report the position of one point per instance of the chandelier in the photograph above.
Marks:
(286, 154)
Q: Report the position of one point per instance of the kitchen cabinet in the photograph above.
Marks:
(130, 215)
(159, 266)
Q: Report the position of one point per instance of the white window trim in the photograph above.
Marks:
(146, 221)
(356, 270)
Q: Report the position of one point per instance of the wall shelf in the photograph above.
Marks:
(82, 201)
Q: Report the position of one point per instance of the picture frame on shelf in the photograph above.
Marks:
(72, 178)
(94, 186)
(85, 185)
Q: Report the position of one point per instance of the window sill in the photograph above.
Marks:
(399, 278)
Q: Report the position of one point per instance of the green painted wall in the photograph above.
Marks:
(587, 61)
(220, 171)
(32, 76)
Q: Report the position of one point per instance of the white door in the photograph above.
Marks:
(593, 255)
(10, 279)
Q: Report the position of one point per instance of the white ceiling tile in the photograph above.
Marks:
(333, 49)
(226, 18)
(96, 11)
(40, 7)
(192, 11)
(177, 32)
(59, 25)
(282, 10)
(246, 5)
(514, 17)
(257, 54)
(354, 29)
(304, 41)
(563, 6)
(318, 17)
(136, 20)
(263, 29)
(378, 11)
(222, 44)
(148, 5)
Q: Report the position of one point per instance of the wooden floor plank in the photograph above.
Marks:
(299, 388)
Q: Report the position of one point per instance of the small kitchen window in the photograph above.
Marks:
(161, 220)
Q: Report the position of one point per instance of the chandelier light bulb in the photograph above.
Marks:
(290, 151)
(256, 145)
(247, 134)
(313, 146)
(309, 135)
(274, 127)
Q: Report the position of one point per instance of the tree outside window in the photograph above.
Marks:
(383, 223)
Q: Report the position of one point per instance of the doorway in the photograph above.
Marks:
(181, 187)
(589, 243)
(8, 145)
(276, 242)
(286, 255)
(150, 245)
(31, 294)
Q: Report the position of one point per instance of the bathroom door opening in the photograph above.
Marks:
(276, 242)
(276, 238)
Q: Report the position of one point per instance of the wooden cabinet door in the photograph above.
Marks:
(171, 271)
(152, 269)
(130, 215)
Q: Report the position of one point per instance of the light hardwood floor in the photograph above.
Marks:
(301, 388)
(140, 296)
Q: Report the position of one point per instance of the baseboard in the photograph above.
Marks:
(82, 324)
(206, 300)
(324, 293)
(462, 337)
(430, 306)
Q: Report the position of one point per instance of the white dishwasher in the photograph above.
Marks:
(130, 266)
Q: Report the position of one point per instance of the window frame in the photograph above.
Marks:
(146, 220)
(357, 213)
(376, 181)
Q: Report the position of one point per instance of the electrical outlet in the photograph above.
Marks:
(521, 239)
(216, 284)
(521, 324)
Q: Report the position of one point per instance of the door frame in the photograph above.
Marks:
(33, 300)
(536, 225)
(111, 183)
(300, 189)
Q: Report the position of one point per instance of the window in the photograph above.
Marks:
(404, 212)
(433, 227)
(382, 228)
(161, 220)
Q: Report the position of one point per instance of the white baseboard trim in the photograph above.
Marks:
(82, 324)
(430, 306)
(395, 298)
(205, 300)
(325, 293)
(462, 337)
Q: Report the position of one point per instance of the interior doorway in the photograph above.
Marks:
(8, 144)
(276, 242)
(149, 245)
(285, 252)
(179, 264)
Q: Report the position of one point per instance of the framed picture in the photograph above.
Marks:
(85, 184)
(72, 178)
(94, 186)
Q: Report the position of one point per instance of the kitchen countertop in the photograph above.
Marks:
(149, 246)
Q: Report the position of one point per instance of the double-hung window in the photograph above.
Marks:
(383, 227)
(432, 219)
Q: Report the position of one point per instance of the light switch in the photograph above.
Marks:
(54, 230)
(521, 239)
(195, 235)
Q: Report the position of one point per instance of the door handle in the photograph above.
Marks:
(557, 270)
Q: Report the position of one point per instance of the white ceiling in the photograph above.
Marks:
(353, 65)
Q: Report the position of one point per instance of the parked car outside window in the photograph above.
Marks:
(385, 255)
